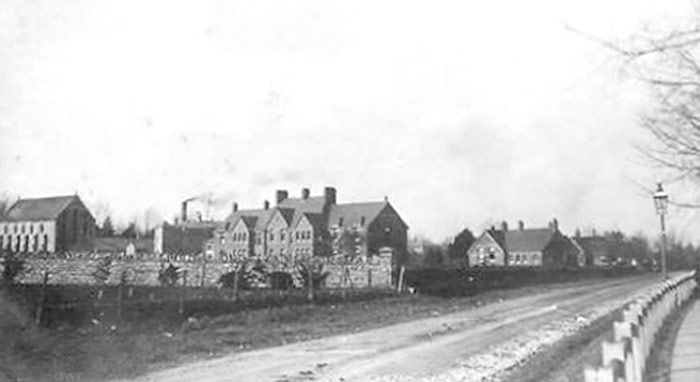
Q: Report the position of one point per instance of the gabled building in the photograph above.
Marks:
(310, 226)
(597, 250)
(533, 247)
(50, 224)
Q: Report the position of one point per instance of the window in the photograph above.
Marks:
(362, 221)
(340, 222)
(36, 243)
(31, 228)
(41, 227)
(272, 236)
(14, 226)
(281, 251)
(46, 243)
(222, 240)
(22, 229)
(517, 258)
(282, 235)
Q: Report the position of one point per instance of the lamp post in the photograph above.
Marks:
(661, 203)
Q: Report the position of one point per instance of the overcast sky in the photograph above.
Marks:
(462, 113)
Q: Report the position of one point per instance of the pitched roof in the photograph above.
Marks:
(39, 208)
(353, 213)
(254, 219)
(528, 240)
(313, 204)
(316, 220)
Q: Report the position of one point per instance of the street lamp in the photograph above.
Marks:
(661, 203)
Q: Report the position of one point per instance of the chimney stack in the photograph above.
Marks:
(504, 226)
(235, 207)
(183, 213)
(281, 195)
(555, 225)
(330, 195)
(521, 225)
(305, 193)
(266, 205)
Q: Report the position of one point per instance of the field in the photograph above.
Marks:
(83, 338)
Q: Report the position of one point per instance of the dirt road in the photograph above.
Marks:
(409, 351)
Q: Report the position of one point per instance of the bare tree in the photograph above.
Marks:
(667, 60)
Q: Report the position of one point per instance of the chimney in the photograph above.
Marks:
(235, 207)
(266, 205)
(555, 225)
(329, 194)
(183, 213)
(521, 225)
(504, 226)
(281, 195)
(305, 193)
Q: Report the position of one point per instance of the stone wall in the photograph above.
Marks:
(374, 271)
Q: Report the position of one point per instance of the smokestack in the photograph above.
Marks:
(235, 207)
(504, 226)
(555, 225)
(281, 196)
(305, 193)
(521, 225)
(183, 213)
(266, 205)
(329, 195)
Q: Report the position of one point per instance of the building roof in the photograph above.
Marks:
(528, 240)
(39, 208)
(313, 204)
(353, 213)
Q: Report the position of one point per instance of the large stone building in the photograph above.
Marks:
(51, 224)
(308, 226)
(532, 247)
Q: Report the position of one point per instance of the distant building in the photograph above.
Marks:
(130, 248)
(310, 226)
(597, 250)
(50, 224)
(532, 247)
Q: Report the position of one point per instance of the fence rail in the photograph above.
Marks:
(625, 358)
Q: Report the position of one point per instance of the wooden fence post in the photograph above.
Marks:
(183, 292)
(399, 286)
(42, 295)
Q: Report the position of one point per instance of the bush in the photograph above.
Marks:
(281, 281)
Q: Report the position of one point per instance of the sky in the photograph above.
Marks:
(462, 113)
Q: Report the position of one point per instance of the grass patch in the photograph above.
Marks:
(565, 360)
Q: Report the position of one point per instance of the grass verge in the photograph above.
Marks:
(565, 360)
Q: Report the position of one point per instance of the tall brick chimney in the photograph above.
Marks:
(281, 195)
(266, 205)
(521, 225)
(504, 226)
(329, 195)
(305, 193)
(235, 207)
(183, 211)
